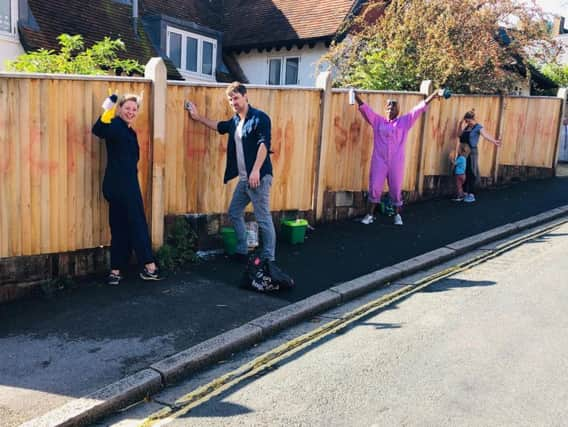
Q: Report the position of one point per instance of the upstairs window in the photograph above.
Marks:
(283, 71)
(8, 17)
(192, 53)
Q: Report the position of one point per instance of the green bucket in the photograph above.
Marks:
(229, 239)
(294, 230)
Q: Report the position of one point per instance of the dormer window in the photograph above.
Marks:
(8, 17)
(194, 55)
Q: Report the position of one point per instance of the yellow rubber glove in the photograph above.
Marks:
(109, 107)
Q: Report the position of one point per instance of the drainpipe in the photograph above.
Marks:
(135, 17)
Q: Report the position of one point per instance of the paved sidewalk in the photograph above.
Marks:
(58, 349)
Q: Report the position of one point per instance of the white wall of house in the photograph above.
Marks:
(10, 48)
(255, 65)
(563, 39)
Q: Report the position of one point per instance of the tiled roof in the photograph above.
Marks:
(92, 19)
(272, 22)
(244, 23)
(208, 13)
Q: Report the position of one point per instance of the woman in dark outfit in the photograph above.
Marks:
(121, 189)
(469, 134)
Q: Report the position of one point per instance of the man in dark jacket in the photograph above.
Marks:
(248, 158)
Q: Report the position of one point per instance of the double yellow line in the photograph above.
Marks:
(262, 363)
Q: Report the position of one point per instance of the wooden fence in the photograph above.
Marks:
(51, 166)
(196, 155)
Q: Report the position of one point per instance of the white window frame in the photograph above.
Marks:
(13, 33)
(200, 39)
(283, 60)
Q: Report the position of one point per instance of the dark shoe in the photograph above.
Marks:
(239, 258)
(147, 275)
(114, 279)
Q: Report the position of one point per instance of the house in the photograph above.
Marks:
(10, 46)
(261, 42)
(276, 42)
(560, 33)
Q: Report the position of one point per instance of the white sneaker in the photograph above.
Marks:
(470, 198)
(368, 219)
(397, 219)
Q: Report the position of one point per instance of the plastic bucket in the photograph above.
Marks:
(229, 239)
(294, 230)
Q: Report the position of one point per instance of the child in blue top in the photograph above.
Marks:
(459, 170)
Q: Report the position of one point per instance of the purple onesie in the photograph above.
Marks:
(388, 151)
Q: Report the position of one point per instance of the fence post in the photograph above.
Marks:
(155, 70)
(426, 89)
(499, 135)
(323, 82)
(563, 95)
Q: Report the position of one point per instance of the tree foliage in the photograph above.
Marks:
(558, 73)
(73, 58)
(472, 46)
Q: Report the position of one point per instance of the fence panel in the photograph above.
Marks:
(441, 132)
(351, 141)
(196, 155)
(52, 167)
(530, 131)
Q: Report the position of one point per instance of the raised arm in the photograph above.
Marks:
(101, 126)
(367, 112)
(194, 114)
(432, 96)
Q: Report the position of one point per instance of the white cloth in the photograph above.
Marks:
(241, 165)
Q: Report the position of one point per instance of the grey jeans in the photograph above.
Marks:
(260, 198)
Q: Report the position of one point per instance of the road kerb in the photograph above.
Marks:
(425, 260)
(364, 284)
(214, 349)
(102, 402)
(464, 245)
(294, 313)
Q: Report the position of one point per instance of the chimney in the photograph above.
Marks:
(558, 26)
(135, 17)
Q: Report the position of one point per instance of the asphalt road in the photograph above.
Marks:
(483, 347)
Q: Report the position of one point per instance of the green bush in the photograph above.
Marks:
(180, 247)
(101, 58)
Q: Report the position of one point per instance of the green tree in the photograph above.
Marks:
(558, 73)
(473, 46)
(73, 58)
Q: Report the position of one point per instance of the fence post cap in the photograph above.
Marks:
(323, 80)
(155, 65)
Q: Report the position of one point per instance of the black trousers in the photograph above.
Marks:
(471, 172)
(129, 230)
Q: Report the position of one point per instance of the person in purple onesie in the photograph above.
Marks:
(387, 161)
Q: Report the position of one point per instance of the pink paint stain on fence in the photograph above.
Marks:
(36, 163)
(5, 163)
(276, 142)
(195, 153)
(355, 132)
(342, 135)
